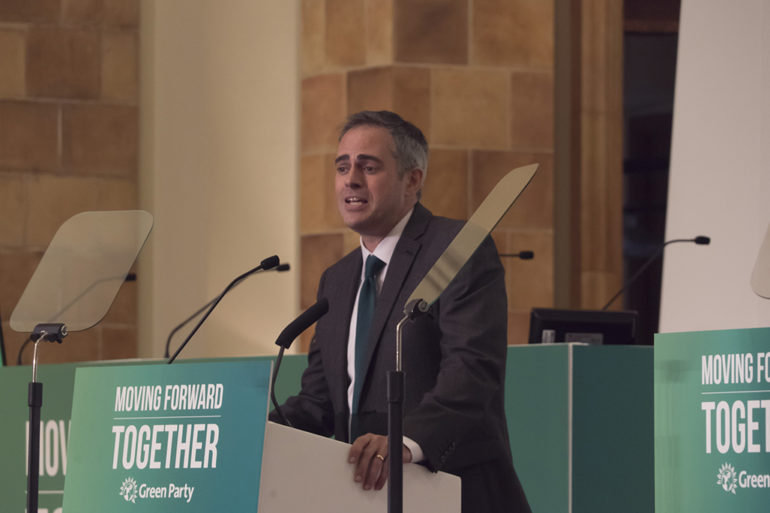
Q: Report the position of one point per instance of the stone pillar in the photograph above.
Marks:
(477, 77)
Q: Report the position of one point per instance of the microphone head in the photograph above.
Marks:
(303, 322)
(524, 255)
(702, 240)
(270, 262)
(282, 267)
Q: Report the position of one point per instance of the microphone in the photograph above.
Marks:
(701, 240)
(524, 255)
(287, 336)
(267, 264)
(279, 268)
(301, 323)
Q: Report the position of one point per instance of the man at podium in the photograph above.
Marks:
(453, 356)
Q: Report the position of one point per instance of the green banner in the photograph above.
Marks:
(712, 421)
(58, 381)
(168, 438)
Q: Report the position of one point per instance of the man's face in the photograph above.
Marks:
(371, 197)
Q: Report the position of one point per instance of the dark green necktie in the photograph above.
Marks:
(367, 299)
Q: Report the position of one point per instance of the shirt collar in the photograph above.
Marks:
(384, 250)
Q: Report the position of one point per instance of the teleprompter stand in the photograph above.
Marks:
(72, 288)
(48, 333)
(459, 251)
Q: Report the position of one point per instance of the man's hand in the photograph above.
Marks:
(369, 454)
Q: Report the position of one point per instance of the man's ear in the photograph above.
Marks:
(414, 180)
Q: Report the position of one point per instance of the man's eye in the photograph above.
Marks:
(342, 170)
(369, 169)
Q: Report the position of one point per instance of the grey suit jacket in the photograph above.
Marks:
(453, 361)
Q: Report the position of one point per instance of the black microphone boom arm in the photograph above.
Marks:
(700, 240)
(266, 264)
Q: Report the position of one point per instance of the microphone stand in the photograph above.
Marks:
(279, 268)
(265, 265)
(700, 240)
(274, 377)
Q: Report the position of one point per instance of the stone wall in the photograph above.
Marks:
(68, 143)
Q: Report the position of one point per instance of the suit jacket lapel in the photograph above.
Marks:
(346, 286)
(398, 269)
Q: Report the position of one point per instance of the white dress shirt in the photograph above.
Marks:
(383, 251)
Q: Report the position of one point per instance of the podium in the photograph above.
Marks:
(306, 472)
(580, 420)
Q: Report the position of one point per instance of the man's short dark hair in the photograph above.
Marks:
(411, 146)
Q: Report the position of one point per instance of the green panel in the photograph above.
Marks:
(613, 467)
(705, 458)
(536, 409)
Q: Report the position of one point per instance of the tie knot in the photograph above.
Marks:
(373, 266)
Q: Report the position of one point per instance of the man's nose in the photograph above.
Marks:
(354, 178)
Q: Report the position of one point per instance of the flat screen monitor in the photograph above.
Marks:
(598, 327)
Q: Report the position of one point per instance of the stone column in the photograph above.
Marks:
(477, 77)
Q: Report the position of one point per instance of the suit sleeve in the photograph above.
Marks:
(311, 410)
(460, 417)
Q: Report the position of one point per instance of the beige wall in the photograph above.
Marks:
(218, 170)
